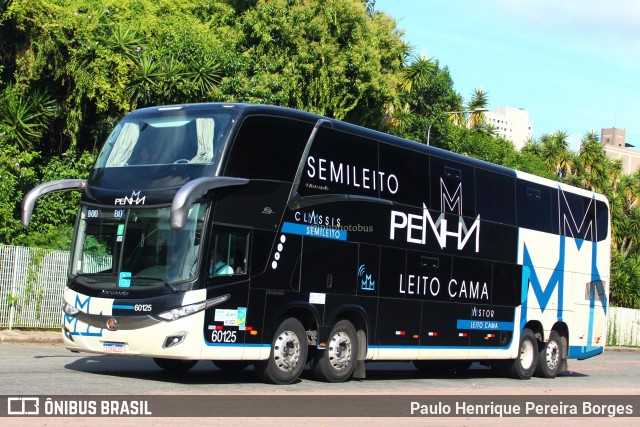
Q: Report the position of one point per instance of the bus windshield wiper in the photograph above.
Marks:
(99, 273)
(94, 278)
(156, 279)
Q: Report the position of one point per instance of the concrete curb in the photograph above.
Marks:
(38, 337)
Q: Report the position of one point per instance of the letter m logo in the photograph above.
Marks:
(577, 216)
(449, 202)
(544, 291)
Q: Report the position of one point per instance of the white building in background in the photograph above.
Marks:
(616, 147)
(512, 124)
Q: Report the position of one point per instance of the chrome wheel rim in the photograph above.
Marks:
(286, 351)
(340, 350)
(526, 354)
(552, 355)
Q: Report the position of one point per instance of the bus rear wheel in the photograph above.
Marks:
(338, 360)
(288, 354)
(550, 357)
(175, 365)
(523, 366)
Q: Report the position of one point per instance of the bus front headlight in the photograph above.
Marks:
(69, 310)
(188, 310)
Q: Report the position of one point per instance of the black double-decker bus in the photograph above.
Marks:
(252, 234)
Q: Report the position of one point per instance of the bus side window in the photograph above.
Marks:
(534, 207)
(602, 220)
(268, 148)
(496, 197)
(229, 252)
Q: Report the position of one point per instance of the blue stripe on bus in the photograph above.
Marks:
(87, 334)
(575, 352)
(123, 307)
(312, 230)
(582, 352)
(484, 325)
(435, 347)
(225, 344)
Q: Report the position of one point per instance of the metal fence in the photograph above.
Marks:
(32, 284)
(623, 327)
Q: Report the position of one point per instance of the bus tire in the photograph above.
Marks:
(523, 366)
(175, 365)
(231, 365)
(288, 354)
(337, 361)
(550, 357)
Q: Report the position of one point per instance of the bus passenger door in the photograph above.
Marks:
(227, 276)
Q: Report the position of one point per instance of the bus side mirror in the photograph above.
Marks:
(29, 200)
(192, 191)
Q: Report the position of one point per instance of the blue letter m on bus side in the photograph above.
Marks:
(556, 280)
(73, 322)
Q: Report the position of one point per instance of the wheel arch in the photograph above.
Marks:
(536, 327)
(305, 312)
(562, 329)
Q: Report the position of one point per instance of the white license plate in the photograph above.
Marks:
(113, 347)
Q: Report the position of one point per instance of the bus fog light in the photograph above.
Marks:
(67, 333)
(173, 340)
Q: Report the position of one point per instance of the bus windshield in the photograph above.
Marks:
(129, 248)
(166, 136)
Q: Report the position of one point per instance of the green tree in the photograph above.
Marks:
(91, 55)
(69, 69)
(325, 56)
(554, 150)
(591, 159)
(24, 117)
(479, 101)
(625, 277)
(16, 175)
(481, 145)
(425, 93)
(417, 73)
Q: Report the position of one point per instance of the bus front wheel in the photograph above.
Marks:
(288, 354)
(523, 366)
(175, 365)
(550, 357)
(338, 360)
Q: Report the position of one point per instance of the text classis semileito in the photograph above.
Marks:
(369, 179)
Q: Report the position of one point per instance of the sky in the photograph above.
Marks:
(574, 65)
